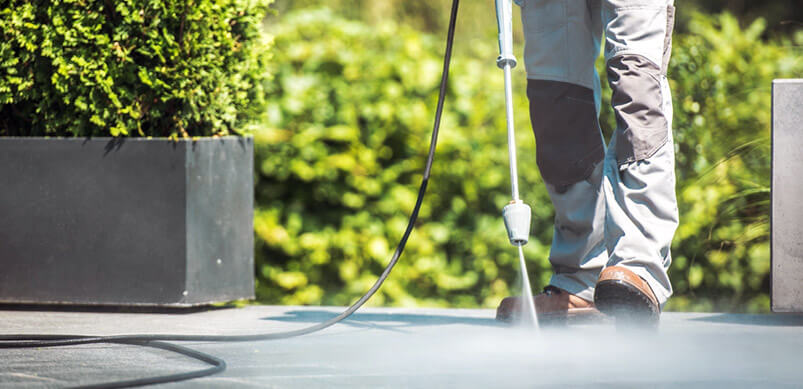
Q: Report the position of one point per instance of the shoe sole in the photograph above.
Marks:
(624, 302)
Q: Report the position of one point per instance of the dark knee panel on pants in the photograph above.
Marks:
(567, 135)
(637, 103)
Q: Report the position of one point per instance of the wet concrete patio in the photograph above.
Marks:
(422, 348)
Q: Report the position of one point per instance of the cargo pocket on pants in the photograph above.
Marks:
(637, 101)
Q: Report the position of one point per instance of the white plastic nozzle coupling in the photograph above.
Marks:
(517, 217)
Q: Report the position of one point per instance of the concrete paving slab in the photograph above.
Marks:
(387, 347)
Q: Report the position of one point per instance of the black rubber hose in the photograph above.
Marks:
(158, 340)
(218, 365)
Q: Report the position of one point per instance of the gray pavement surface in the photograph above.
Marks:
(421, 348)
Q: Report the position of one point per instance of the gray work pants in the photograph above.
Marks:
(614, 205)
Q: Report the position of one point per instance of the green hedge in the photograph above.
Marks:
(340, 163)
(721, 80)
(131, 67)
(347, 128)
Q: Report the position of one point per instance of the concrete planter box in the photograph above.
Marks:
(108, 221)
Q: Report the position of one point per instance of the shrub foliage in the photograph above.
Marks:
(340, 160)
(721, 77)
(131, 67)
(347, 130)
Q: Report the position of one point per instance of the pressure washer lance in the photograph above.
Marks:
(517, 215)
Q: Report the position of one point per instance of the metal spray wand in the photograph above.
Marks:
(517, 215)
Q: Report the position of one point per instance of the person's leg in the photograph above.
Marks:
(639, 175)
(562, 39)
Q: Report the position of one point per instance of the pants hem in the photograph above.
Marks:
(574, 286)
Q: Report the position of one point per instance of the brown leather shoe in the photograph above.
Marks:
(553, 305)
(626, 296)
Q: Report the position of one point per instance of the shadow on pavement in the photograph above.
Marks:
(112, 308)
(383, 320)
(770, 320)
